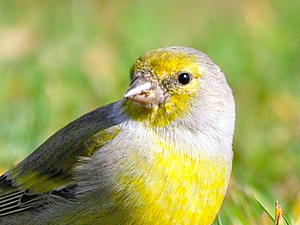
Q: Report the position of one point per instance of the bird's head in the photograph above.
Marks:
(165, 83)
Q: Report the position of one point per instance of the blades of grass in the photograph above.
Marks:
(219, 222)
(285, 220)
(264, 208)
(279, 217)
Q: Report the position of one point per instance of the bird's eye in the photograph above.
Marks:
(184, 78)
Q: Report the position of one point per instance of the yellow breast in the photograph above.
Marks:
(171, 188)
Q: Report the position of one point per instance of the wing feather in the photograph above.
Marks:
(47, 173)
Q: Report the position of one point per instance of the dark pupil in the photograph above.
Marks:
(184, 78)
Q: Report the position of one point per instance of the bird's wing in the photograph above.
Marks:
(48, 170)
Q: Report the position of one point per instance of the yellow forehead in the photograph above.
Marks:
(163, 63)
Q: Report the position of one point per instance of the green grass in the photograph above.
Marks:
(59, 60)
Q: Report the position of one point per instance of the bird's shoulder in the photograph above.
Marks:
(49, 169)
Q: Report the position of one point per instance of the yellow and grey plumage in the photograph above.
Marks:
(160, 155)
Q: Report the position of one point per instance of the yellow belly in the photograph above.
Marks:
(171, 189)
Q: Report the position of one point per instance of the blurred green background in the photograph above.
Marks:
(61, 59)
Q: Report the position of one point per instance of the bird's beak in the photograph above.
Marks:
(145, 91)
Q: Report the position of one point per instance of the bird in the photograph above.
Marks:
(160, 155)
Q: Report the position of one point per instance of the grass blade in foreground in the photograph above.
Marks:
(278, 213)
